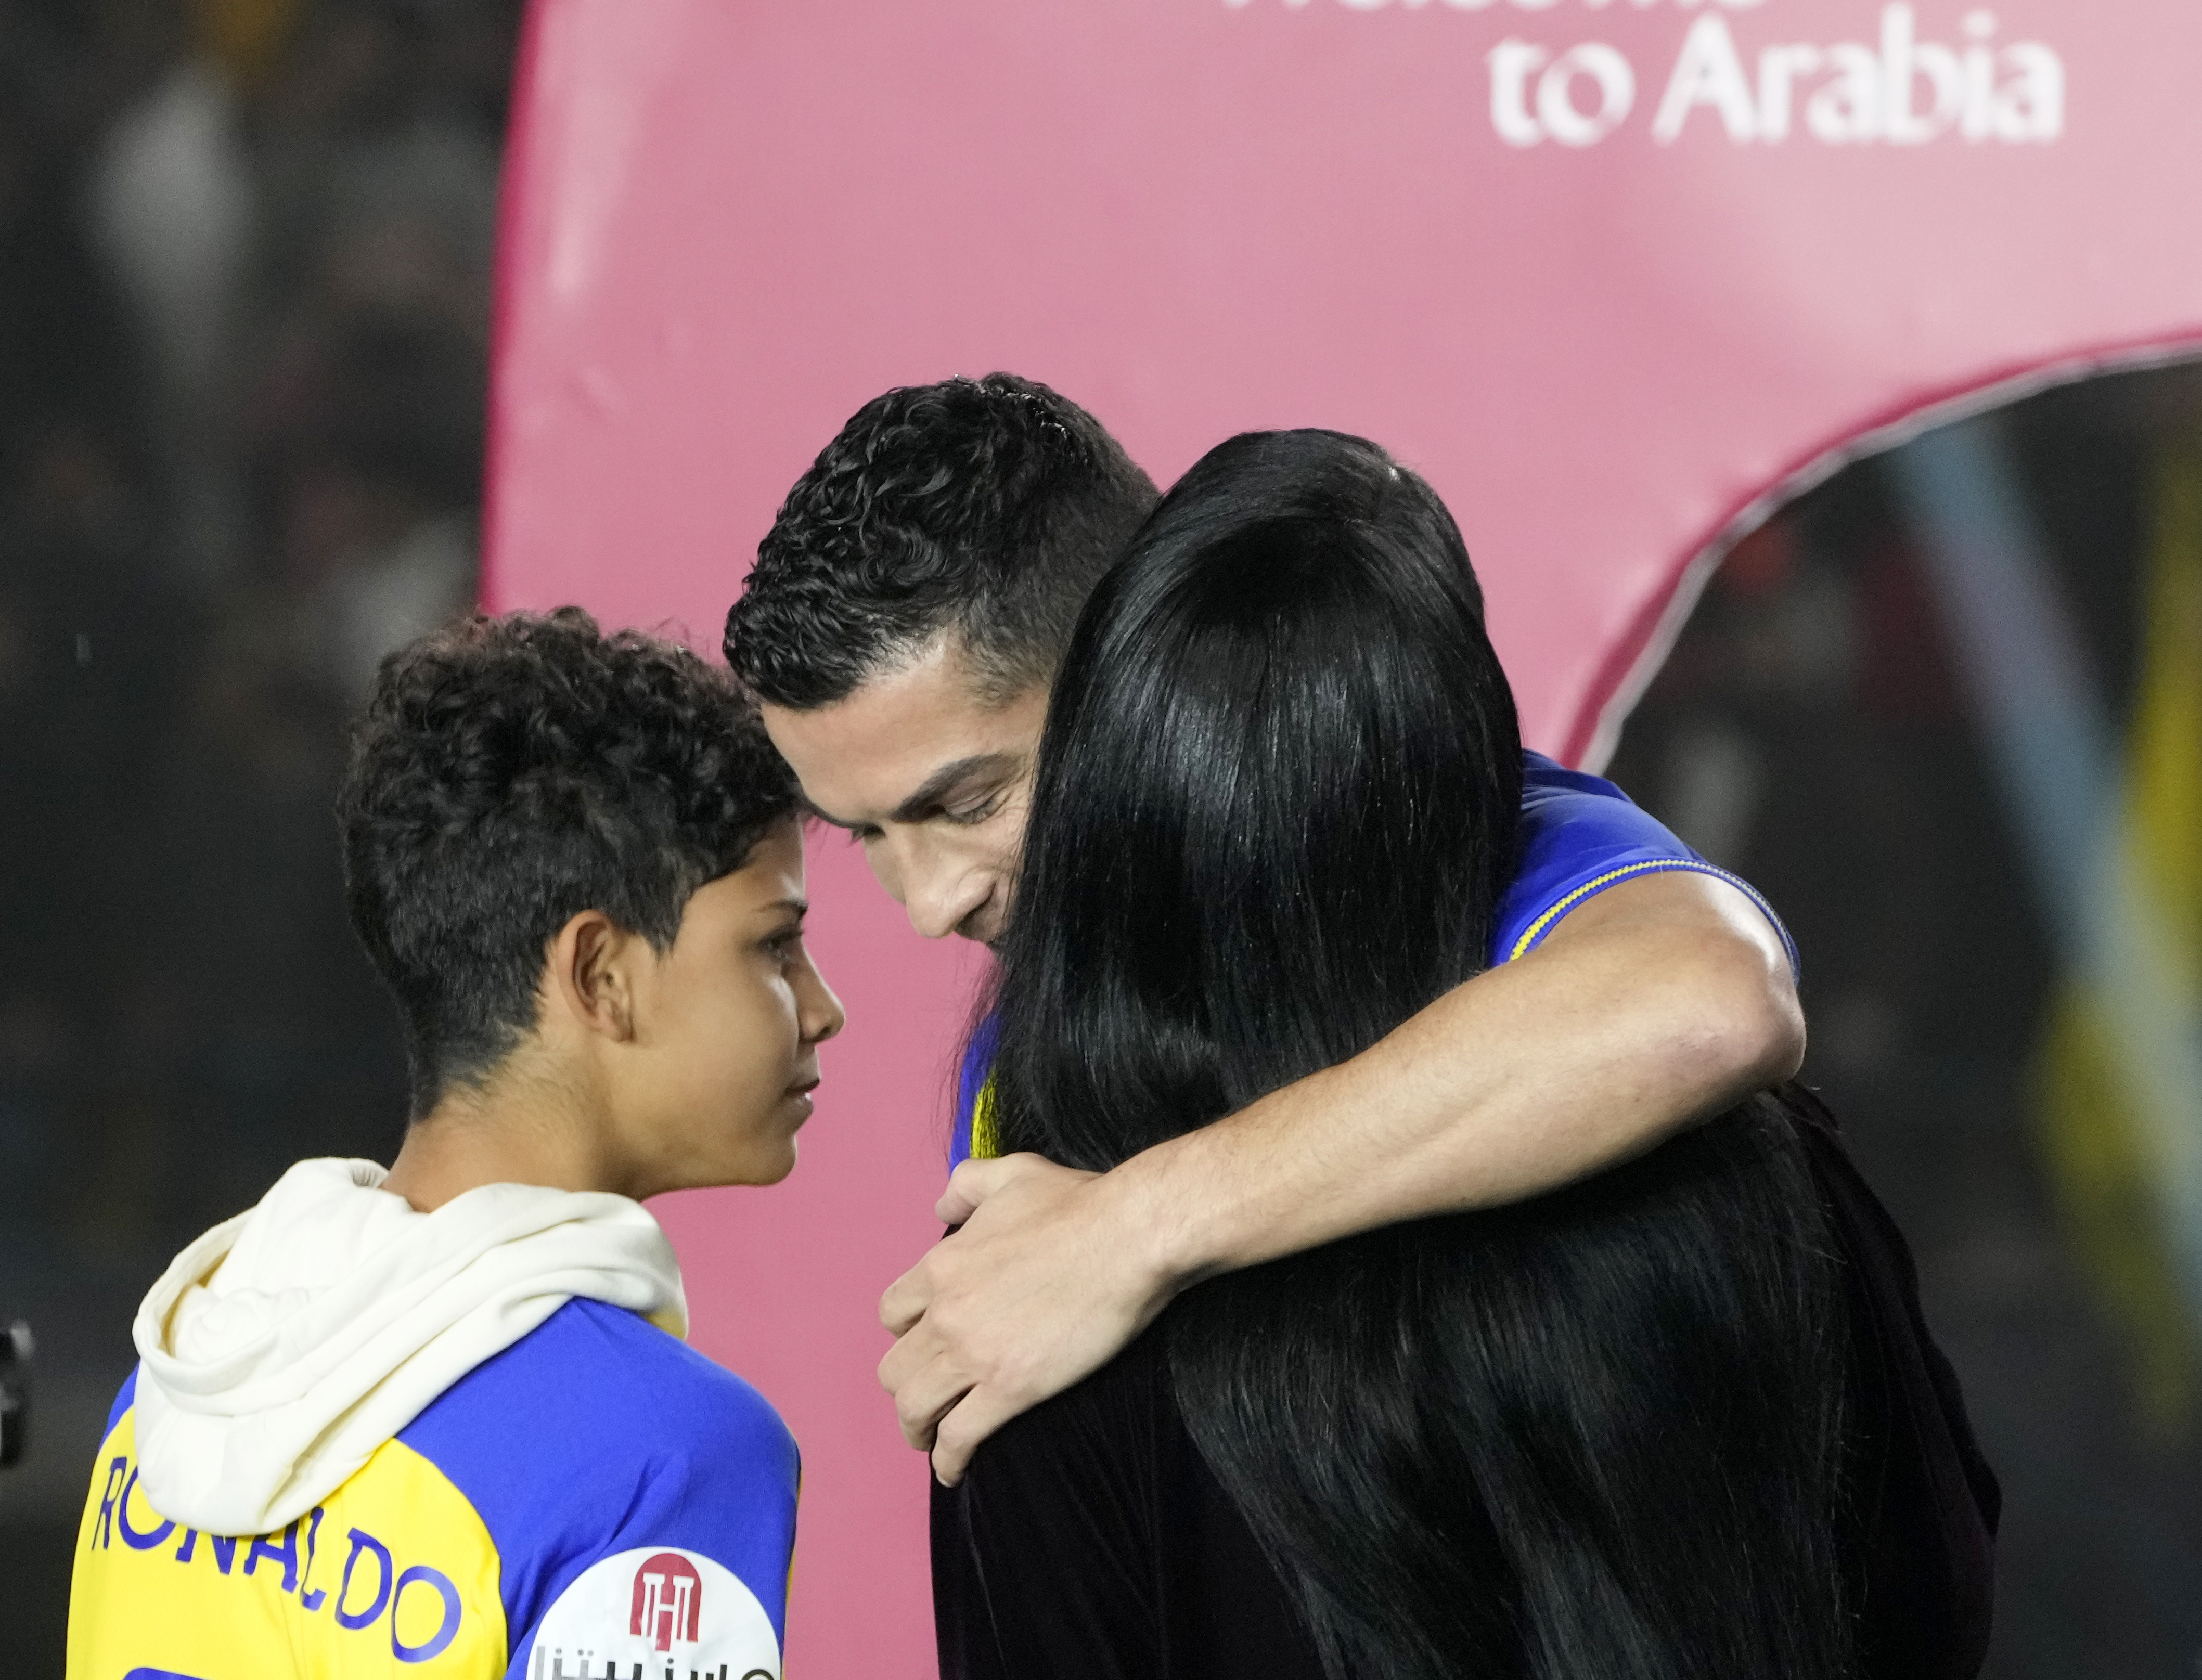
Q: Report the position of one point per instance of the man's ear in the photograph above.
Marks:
(591, 975)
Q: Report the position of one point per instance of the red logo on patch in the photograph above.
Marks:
(669, 1600)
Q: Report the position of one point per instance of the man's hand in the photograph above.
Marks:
(1044, 1284)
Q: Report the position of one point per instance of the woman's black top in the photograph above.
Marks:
(1090, 1542)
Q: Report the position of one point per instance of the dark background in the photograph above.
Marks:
(1809, 729)
(244, 253)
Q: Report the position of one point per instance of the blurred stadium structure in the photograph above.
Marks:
(1947, 710)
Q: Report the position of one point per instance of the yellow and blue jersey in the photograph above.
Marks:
(1580, 835)
(596, 1499)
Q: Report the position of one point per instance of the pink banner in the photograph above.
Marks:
(1612, 273)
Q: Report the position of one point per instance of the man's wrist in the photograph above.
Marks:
(1184, 1206)
(1160, 1226)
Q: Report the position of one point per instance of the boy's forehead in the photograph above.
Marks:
(772, 873)
(864, 758)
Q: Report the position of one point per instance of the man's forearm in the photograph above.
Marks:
(1663, 1003)
(1658, 1002)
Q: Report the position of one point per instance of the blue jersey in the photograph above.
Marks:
(598, 1499)
(1580, 835)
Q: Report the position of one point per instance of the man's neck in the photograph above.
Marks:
(512, 1130)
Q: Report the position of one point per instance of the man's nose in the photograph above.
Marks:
(938, 898)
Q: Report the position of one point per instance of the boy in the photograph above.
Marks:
(905, 618)
(438, 1420)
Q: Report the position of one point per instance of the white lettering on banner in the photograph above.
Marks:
(1907, 92)
(1518, 5)
(1511, 61)
(1780, 69)
(1556, 101)
(1557, 115)
(1847, 107)
(1709, 72)
(1904, 88)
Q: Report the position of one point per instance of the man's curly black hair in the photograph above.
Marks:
(508, 773)
(988, 507)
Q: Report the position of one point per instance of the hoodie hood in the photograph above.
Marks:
(287, 1344)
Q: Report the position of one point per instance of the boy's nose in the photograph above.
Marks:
(822, 1015)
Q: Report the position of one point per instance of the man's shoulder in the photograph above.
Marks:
(1580, 835)
(1578, 812)
(1544, 779)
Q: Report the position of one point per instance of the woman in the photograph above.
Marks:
(1603, 1433)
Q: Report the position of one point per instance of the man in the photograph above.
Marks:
(905, 618)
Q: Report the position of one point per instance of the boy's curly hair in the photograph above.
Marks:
(511, 772)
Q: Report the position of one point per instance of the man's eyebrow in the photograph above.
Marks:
(796, 907)
(944, 781)
(934, 788)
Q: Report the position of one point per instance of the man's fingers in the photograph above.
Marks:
(922, 1398)
(971, 1183)
(906, 1298)
(959, 1432)
(963, 1195)
(1021, 1301)
(905, 1359)
(924, 1382)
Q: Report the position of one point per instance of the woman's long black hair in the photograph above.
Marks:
(1592, 1436)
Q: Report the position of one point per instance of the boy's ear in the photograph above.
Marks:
(590, 974)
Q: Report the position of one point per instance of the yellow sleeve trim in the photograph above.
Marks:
(986, 1139)
(1534, 935)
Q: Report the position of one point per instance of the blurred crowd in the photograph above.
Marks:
(244, 255)
(245, 291)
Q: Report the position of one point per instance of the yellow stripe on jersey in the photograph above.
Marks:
(1532, 934)
(393, 1573)
(986, 1138)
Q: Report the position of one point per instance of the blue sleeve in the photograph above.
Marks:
(599, 1439)
(1580, 835)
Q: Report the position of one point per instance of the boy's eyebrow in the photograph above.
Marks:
(798, 906)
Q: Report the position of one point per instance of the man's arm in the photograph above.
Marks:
(1658, 1002)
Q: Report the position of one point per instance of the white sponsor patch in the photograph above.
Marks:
(655, 1613)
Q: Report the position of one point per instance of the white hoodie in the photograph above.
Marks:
(286, 1345)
